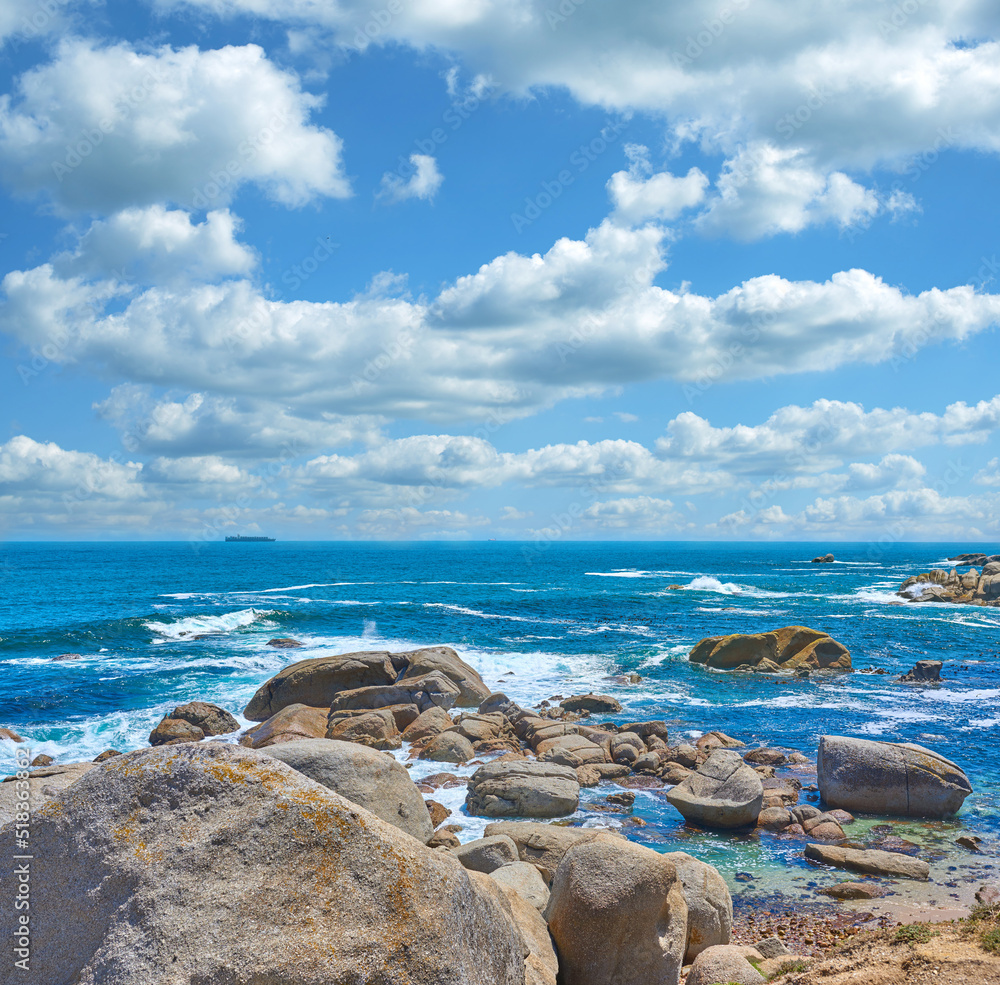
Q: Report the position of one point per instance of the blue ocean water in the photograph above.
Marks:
(162, 623)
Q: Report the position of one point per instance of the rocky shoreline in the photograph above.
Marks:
(313, 818)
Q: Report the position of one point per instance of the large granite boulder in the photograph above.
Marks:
(318, 681)
(173, 730)
(523, 789)
(427, 724)
(370, 779)
(425, 692)
(374, 728)
(873, 861)
(214, 863)
(617, 914)
(710, 906)
(570, 750)
(788, 649)
(291, 724)
(723, 793)
(444, 660)
(598, 704)
(544, 845)
(211, 719)
(43, 785)
(448, 747)
(888, 778)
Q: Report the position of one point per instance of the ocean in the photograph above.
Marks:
(158, 624)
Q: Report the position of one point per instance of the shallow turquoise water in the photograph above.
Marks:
(563, 617)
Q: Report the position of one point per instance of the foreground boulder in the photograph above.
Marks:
(211, 719)
(617, 914)
(317, 682)
(869, 860)
(723, 793)
(789, 649)
(215, 863)
(523, 789)
(709, 904)
(370, 779)
(888, 778)
(525, 879)
(292, 724)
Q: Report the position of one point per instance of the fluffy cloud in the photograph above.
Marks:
(518, 335)
(202, 424)
(854, 84)
(32, 466)
(159, 245)
(825, 435)
(206, 472)
(639, 195)
(423, 183)
(765, 190)
(104, 128)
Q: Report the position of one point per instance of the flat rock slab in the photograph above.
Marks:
(870, 860)
(523, 789)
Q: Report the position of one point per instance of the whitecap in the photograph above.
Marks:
(197, 625)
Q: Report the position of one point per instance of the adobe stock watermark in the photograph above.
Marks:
(22, 859)
(579, 161)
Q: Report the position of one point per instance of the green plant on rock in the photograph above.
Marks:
(913, 933)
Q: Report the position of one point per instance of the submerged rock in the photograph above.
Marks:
(924, 672)
(888, 778)
(214, 863)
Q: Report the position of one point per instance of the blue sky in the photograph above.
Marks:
(531, 270)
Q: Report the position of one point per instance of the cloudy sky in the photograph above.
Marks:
(521, 269)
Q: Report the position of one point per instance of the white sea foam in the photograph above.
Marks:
(197, 625)
(462, 610)
(622, 573)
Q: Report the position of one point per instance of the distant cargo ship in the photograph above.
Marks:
(250, 540)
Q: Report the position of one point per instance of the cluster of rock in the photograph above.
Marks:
(979, 560)
(823, 559)
(793, 649)
(965, 588)
(214, 862)
(308, 854)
